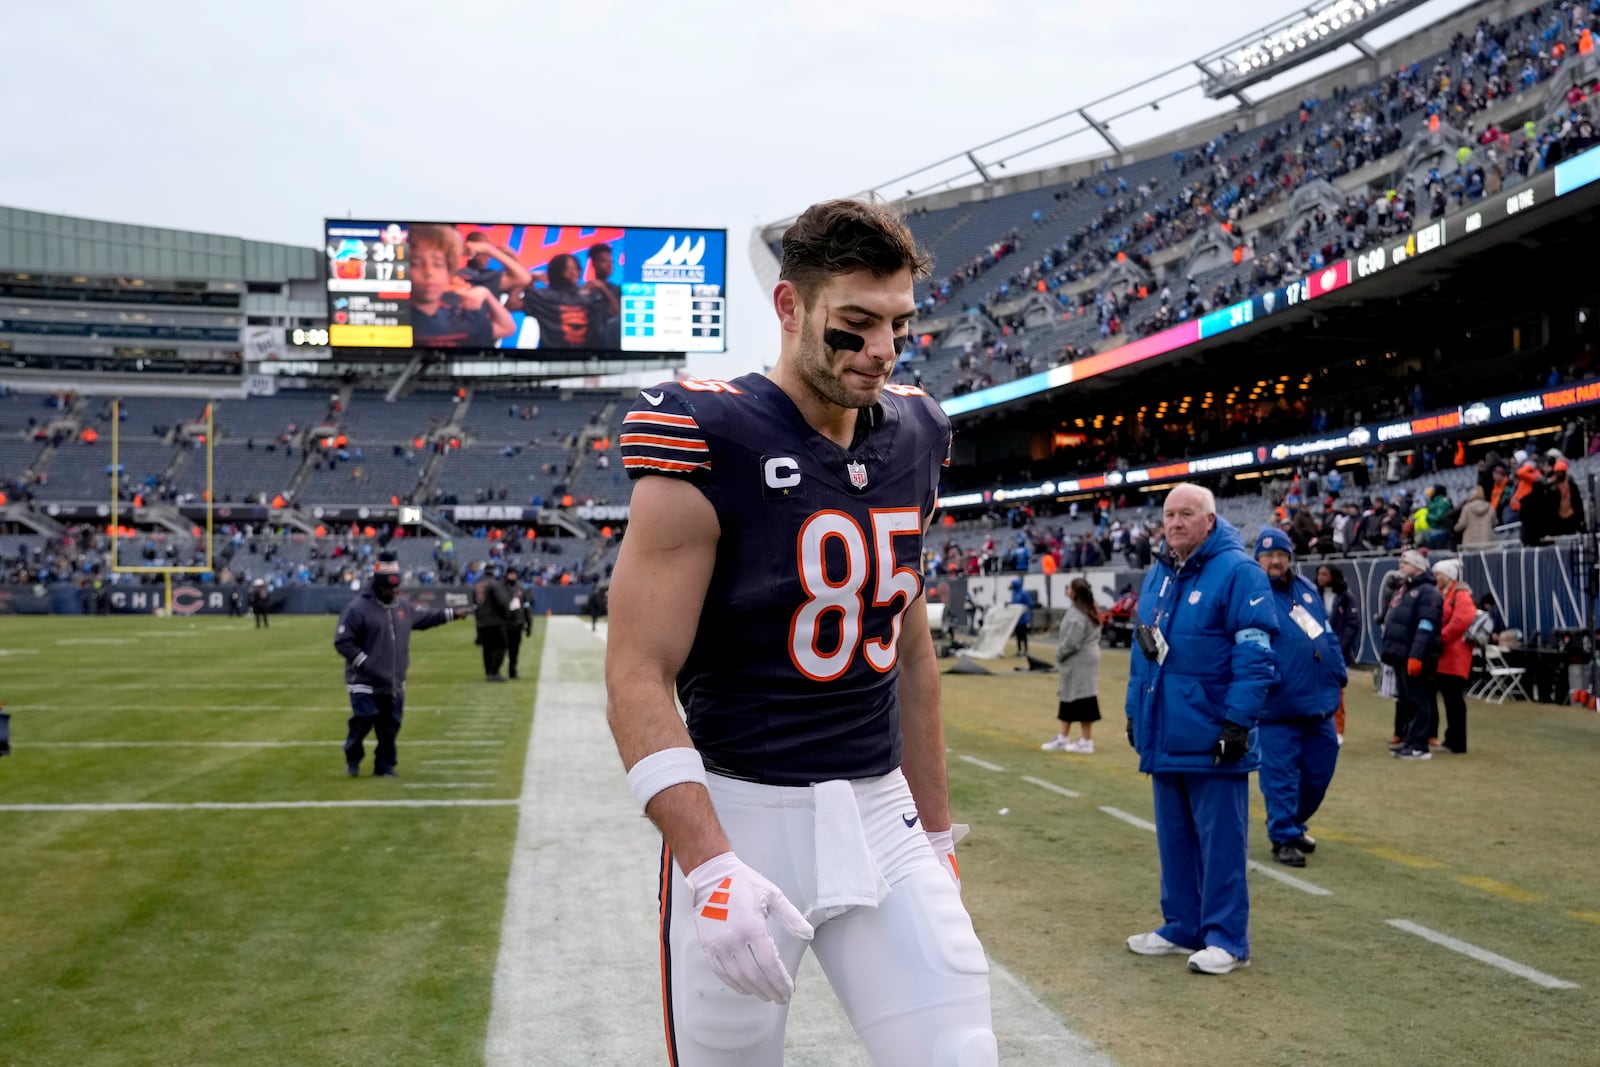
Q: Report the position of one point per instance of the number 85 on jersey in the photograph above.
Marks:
(857, 582)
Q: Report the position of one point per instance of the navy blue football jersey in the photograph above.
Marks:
(793, 675)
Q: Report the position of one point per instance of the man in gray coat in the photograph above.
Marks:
(1078, 666)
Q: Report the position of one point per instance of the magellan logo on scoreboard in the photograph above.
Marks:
(677, 261)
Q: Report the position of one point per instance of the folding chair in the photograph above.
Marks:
(1504, 680)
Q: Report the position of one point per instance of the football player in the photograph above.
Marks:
(769, 579)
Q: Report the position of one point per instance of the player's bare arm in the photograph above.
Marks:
(657, 589)
(922, 720)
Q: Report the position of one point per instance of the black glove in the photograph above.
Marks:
(1130, 736)
(1232, 744)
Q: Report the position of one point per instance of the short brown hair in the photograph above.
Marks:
(446, 239)
(839, 236)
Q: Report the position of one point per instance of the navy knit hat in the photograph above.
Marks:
(387, 572)
(1271, 540)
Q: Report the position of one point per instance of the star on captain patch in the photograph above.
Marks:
(858, 474)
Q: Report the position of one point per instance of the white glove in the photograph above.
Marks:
(944, 846)
(731, 906)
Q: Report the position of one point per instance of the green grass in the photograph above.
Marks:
(1055, 886)
(308, 936)
(369, 936)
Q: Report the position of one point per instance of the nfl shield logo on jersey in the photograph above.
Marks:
(858, 474)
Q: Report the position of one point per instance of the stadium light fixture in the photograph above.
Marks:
(1290, 41)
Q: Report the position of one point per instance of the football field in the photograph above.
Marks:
(191, 878)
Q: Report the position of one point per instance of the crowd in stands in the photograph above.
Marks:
(281, 557)
(1237, 175)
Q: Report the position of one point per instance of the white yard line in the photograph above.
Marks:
(1482, 955)
(22, 746)
(1131, 820)
(454, 762)
(1042, 784)
(448, 785)
(562, 983)
(1289, 879)
(985, 764)
(262, 805)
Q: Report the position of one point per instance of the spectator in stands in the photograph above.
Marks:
(1455, 655)
(374, 637)
(1021, 596)
(1078, 669)
(1476, 524)
(1339, 604)
(1299, 742)
(1195, 690)
(1556, 504)
(1410, 649)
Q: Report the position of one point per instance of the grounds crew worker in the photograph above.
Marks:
(1196, 685)
(494, 616)
(374, 637)
(1299, 744)
(520, 612)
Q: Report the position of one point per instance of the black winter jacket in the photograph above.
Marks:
(1411, 626)
(375, 640)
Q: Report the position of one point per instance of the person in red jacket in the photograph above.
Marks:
(1455, 655)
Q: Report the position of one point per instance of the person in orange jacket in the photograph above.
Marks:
(1455, 655)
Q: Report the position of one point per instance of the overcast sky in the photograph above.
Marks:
(260, 119)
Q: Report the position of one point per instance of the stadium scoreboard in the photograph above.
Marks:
(603, 290)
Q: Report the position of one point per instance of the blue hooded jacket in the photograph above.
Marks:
(1020, 595)
(1218, 618)
(1310, 673)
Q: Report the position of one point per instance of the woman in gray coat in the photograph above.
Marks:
(1078, 662)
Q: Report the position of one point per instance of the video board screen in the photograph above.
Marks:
(471, 287)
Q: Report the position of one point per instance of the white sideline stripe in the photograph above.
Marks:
(985, 764)
(167, 705)
(455, 762)
(463, 771)
(1482, 955)
(448, 785)
(1289, 879)
(560, 986)
(265, 805)
(221, 744)
(1131, 820)
(1042, 784)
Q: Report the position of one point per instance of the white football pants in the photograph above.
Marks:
(910, 973)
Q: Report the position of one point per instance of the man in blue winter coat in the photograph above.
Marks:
(1299, 744)
(1197, 681)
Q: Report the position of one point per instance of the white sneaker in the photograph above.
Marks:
(1085, 747)
(1153, 944)
(1057, 744)
(1214, 960)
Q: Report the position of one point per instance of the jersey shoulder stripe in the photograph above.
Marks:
(660, 436)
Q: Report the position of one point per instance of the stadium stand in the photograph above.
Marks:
(1044, 275)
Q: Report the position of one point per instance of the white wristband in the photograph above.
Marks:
(663, 770)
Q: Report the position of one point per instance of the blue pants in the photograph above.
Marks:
(379, 713)
(1297, 759)
(1202, 834)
